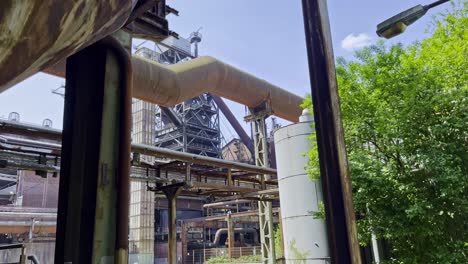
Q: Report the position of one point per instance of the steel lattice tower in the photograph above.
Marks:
(191, 126)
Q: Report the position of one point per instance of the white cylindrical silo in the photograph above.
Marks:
(305, 236)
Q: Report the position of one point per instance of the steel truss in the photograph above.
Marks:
(257, 118)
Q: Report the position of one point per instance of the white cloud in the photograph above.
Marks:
(353, 41)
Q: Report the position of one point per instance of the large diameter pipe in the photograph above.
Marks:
(35, 35)
(305, 236)
(172, 84)
(168, 85)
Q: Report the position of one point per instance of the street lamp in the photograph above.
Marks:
(398, 23)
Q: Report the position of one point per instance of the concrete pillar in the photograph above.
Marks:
(142, 201)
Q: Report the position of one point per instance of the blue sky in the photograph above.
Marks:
(262, 37)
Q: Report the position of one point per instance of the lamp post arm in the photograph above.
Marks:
(436, 3)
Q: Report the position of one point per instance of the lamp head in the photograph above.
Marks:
(397, 24)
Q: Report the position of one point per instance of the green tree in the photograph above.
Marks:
(405, 116)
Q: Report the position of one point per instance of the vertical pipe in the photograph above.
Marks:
(125, 123)
(334, 171)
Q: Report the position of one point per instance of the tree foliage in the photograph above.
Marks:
(405, 116)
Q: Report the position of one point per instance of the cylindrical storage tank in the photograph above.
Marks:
(305, 236)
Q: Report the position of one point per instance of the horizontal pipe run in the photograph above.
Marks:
(30, 166)
(17, 128)
(11, 246)
(197, 159)
(76, 25)
(226, 203)
(168, 85)
(27, 215)
(176, 155)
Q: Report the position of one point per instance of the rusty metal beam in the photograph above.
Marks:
(197, 159)
(334, 172)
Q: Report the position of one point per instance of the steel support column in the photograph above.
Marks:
(334, 173)
(92, 219)
(171, 195)
(265, 214)
(230, 227)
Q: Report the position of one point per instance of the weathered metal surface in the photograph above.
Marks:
(35, 35)
(230, 231)
(305, 236)
(334, 172)
(94, 178)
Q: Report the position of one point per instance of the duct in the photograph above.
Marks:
(226, 203)
(221, 231)
(35, 35)
(172, 84)
(168, 85)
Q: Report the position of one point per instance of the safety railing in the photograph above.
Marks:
(199, 256)
(23, 258)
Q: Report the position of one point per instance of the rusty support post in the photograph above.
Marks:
(171, 195)
(334, 172)
(230, 227)
(183, 238)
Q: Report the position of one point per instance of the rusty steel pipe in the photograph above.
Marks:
(35, 35)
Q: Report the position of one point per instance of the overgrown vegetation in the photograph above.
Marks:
(405, 116)
(278, 242)
(243, 259)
